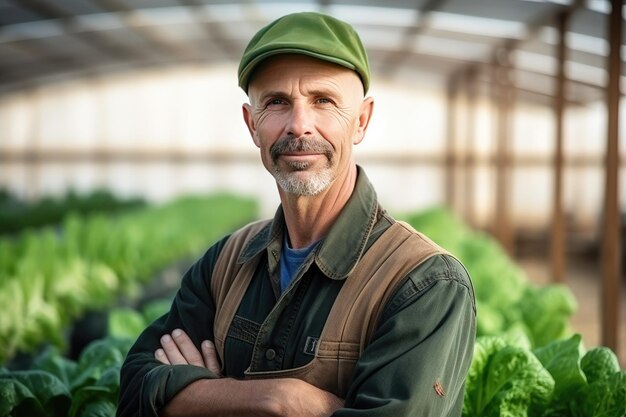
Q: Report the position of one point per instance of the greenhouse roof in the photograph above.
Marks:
(422, 42)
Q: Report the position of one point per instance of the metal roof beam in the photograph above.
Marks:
(212, 31)
(477, 65)
(53, 63)
(533, 27)
(147, 31)
(96, 40)
(396, 57)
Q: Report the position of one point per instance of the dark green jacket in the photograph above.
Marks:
(415, 364)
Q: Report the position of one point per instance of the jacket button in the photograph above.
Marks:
(270, 354)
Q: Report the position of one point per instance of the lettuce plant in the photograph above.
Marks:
(605, 394)
(605, 397)
(505, 380)
(508, 379)
(59, 387)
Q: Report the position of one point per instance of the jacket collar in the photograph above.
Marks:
(341, 249)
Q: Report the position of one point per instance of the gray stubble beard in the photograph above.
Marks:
(298, 180)
(302, 183)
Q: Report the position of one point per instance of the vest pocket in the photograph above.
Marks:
(243, 329)
(341, 358)
(338, 350)
(331, 369)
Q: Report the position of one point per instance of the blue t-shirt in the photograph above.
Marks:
(291, 260)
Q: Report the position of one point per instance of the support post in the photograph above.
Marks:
(505, 98)
(470, 151)
(33, 167)
(558, 220)
(451, 140)
(611, 262)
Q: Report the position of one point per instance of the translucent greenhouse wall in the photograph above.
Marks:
(197, 111)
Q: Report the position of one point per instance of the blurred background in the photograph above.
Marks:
(505, 112)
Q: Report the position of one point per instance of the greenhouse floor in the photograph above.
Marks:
(583, 277)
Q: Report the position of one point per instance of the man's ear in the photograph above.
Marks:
(247, 117)
(367, 108)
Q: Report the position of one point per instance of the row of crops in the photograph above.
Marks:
(16, 214)
(527, 361)
(50, 277)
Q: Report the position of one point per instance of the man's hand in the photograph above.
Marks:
(281, 397)
(178, 349)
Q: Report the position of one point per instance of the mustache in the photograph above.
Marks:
(290, 144)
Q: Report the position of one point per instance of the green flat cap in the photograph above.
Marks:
(308, 33)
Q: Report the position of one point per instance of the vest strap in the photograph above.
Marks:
(230, 280)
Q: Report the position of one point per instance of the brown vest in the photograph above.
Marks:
(354, 314)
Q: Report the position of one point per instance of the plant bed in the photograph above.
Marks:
(59, 387)
(524, 364)
(17, 215)
(49, 279)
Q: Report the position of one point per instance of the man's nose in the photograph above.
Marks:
(300, 121)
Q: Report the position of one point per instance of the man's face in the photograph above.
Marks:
(305, 115)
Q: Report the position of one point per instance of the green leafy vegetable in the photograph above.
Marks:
(546, 312)
(33, 393)
(87, 388)
(562, 359)
(605, 397)
(50, 277)
(93, 401)
(599, 363)
(97, 358)
(156, 308)
(50, 360)
(505, 380)
(126, 323)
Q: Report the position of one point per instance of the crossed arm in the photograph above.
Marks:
(227, 397)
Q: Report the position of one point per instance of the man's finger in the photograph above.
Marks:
(211, 361)
(159, 354)
(180, 350)
(189, 351)
(171, 351)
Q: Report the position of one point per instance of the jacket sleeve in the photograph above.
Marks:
(146, 384)
(419, 356)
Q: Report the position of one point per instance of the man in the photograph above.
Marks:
(331, 308)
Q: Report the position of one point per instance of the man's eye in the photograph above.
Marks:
(275, 102)
(324, 100)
